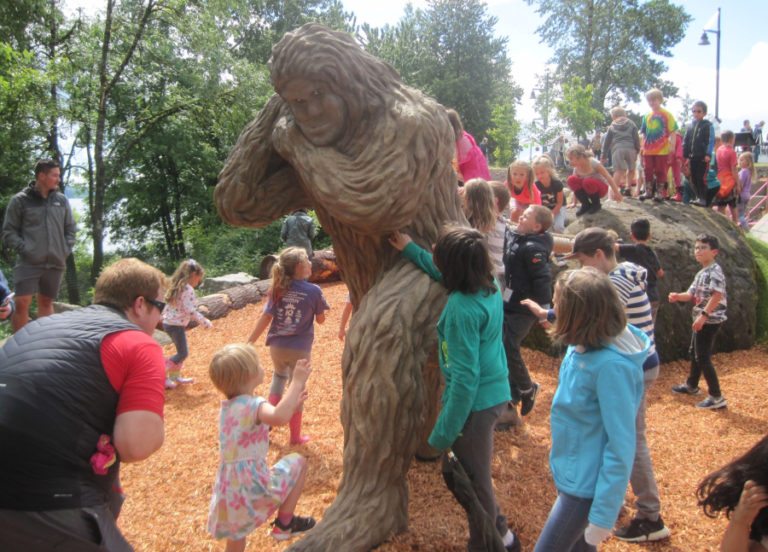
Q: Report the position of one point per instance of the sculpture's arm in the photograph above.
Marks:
(256, 185)
(383, 188)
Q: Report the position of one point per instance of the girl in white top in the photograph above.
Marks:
(180, 306)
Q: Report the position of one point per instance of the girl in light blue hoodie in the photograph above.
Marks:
(593, 411)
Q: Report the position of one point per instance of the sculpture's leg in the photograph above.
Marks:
(433, 390)
(381, 411)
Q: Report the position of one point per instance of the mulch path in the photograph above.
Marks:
(168, 494)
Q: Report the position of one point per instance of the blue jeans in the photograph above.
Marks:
(564, 528)
(178, 335)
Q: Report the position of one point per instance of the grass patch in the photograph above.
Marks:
(760, 251)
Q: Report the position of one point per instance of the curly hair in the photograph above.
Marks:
(721, 489)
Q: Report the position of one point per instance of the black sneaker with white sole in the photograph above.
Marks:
(528, 399)
(642, 530)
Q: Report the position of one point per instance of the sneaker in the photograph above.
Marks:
(515, 546)
(712, 403)
(528, 399)
(685, 390)
(170, 384)
(180, 381)
(297, 526)
(642, 530)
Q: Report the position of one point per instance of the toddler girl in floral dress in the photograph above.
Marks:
(247, 491)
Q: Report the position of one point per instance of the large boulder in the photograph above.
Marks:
(674, 228)
(227, 281)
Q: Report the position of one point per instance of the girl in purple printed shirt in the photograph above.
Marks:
(293, 305)
(180, 306)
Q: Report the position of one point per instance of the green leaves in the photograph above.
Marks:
(449, 52)
(576, 108)
(611, 44)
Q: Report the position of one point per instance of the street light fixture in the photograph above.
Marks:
(546, 92)
(705, 42)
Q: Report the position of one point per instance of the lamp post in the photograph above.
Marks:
(705, 42)
(545, 91)
(530, 145)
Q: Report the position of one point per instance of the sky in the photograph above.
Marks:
(743, 51)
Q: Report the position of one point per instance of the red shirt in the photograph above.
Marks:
(135, 366)
(726, 159)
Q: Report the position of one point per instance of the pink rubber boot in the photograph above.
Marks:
(180, 380)
(295, 425)
(170, 368)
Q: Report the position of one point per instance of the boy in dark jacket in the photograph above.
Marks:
(527, 276)
(697, 150)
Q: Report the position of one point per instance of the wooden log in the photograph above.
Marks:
(244, 295)
(324, 267)
(213, 307)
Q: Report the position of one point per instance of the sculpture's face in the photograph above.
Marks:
(320, 113)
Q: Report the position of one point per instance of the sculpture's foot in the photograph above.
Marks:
(357, 524)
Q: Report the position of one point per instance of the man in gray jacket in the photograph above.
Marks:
(298, 230)
(40, 227)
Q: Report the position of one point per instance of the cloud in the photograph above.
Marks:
(742, 88)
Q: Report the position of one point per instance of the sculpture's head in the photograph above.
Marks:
(329, 83)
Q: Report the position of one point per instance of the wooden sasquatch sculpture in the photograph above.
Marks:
(344, 136)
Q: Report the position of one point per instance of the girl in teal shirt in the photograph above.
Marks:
(472, 361)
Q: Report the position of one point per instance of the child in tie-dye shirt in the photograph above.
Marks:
(659, 138)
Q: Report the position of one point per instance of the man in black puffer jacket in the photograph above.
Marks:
(80, 392)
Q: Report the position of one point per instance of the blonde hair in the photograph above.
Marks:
(617, 112)
(501, 193)
(654, 93)
(519, 164)
(478, 205)
(751, 158)
(126, 279)
(180, 279)
(545, 162)
(588, 310)
(284, 271)
(232, 367)
(455, 119)
(577, 150)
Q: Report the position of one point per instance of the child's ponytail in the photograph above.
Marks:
(283, 271)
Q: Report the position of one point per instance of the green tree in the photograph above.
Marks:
(503, 136)
(576, 108)
(448, 51)
(612, 44)
(259, 24)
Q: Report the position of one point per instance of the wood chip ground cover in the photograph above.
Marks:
(168, 494)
